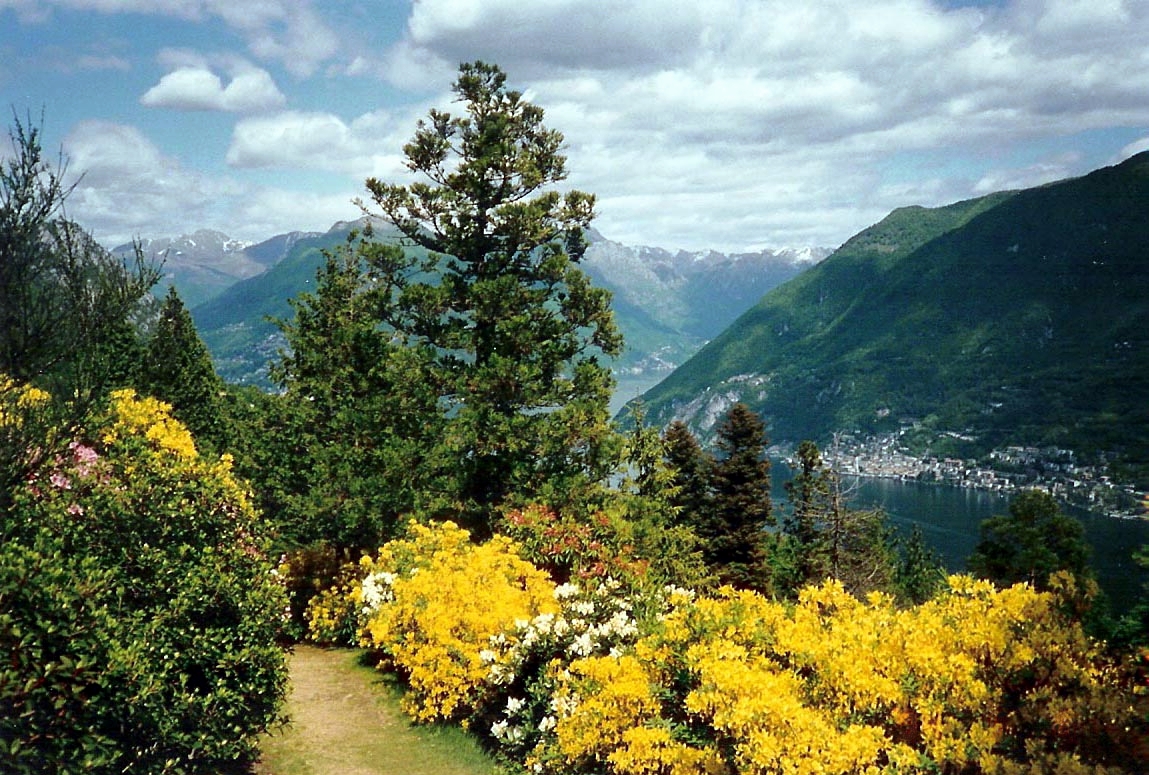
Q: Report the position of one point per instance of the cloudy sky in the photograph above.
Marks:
(725, 124)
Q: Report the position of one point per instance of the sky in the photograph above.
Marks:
(732, 125)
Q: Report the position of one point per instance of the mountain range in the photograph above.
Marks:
(1017, 318)
(205, 263)
(666, 303)
(1021, 317)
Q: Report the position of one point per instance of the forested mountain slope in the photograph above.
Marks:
(1021, 317)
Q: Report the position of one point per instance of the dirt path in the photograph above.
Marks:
(345, 722)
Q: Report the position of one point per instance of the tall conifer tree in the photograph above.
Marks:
(515, 336)
(691, 468)
(178, 369)
(735, 533)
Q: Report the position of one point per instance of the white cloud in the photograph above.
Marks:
(1039, 173)
(368, 146)
(1132, 149)
(726, 124)
(197, 88)
(741, 122)
(129, 187)
(289, 31)
(270, 211)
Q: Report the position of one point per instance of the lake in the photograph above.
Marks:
(629, 387)
(950, 518)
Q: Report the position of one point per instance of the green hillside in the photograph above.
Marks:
(1020, 317)
(236, 325)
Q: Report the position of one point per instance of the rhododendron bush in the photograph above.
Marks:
(428, 605)
(598, 676)
(138, 610)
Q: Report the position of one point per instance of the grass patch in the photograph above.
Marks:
(345, 720)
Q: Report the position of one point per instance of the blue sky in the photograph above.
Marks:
(730, 124)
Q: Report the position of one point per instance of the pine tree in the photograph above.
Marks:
(691, 467)
(514, 334)
(734, 533)
(177, 369)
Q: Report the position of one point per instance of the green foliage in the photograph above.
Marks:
(690, 466)
(920, 573)
(1133, 628)
(508, 326)
(823, 538)
(58, 683)
(733, 533)
(360, 408)
(177, 369)
(152, 646)
(66, 304)
(1031, 543)
(813, 503)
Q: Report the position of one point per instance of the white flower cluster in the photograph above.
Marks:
(591, 621)
(512, 728)
(375, 591)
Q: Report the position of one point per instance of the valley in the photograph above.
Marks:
(929, 344)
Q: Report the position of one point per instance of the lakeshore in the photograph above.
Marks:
(1008, 470)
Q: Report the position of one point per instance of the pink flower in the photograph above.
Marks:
(60, 481)
(75, 509)
(84, 456)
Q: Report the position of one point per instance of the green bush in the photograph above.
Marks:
(141, 612)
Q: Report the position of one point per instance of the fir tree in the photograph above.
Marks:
(734, 532)
(691, 467)
(177, 369)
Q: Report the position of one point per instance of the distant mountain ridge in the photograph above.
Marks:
(667, 304)
(673, 302)
(206, 262)
(1020, 317)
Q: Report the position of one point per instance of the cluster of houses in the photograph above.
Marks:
(1055, 470)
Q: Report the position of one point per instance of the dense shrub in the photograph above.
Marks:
(616, 542)
(977, 680)
(140, 611)
(429, 604)
(611, 677)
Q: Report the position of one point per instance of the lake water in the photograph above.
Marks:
(950, 518)
(631, 387)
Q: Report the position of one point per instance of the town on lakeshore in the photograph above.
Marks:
(1056, 471)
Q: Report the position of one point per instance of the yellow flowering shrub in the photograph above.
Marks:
(150, 418)
(978, 680)
(16, 400)
(333, 614)
(431, 603)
